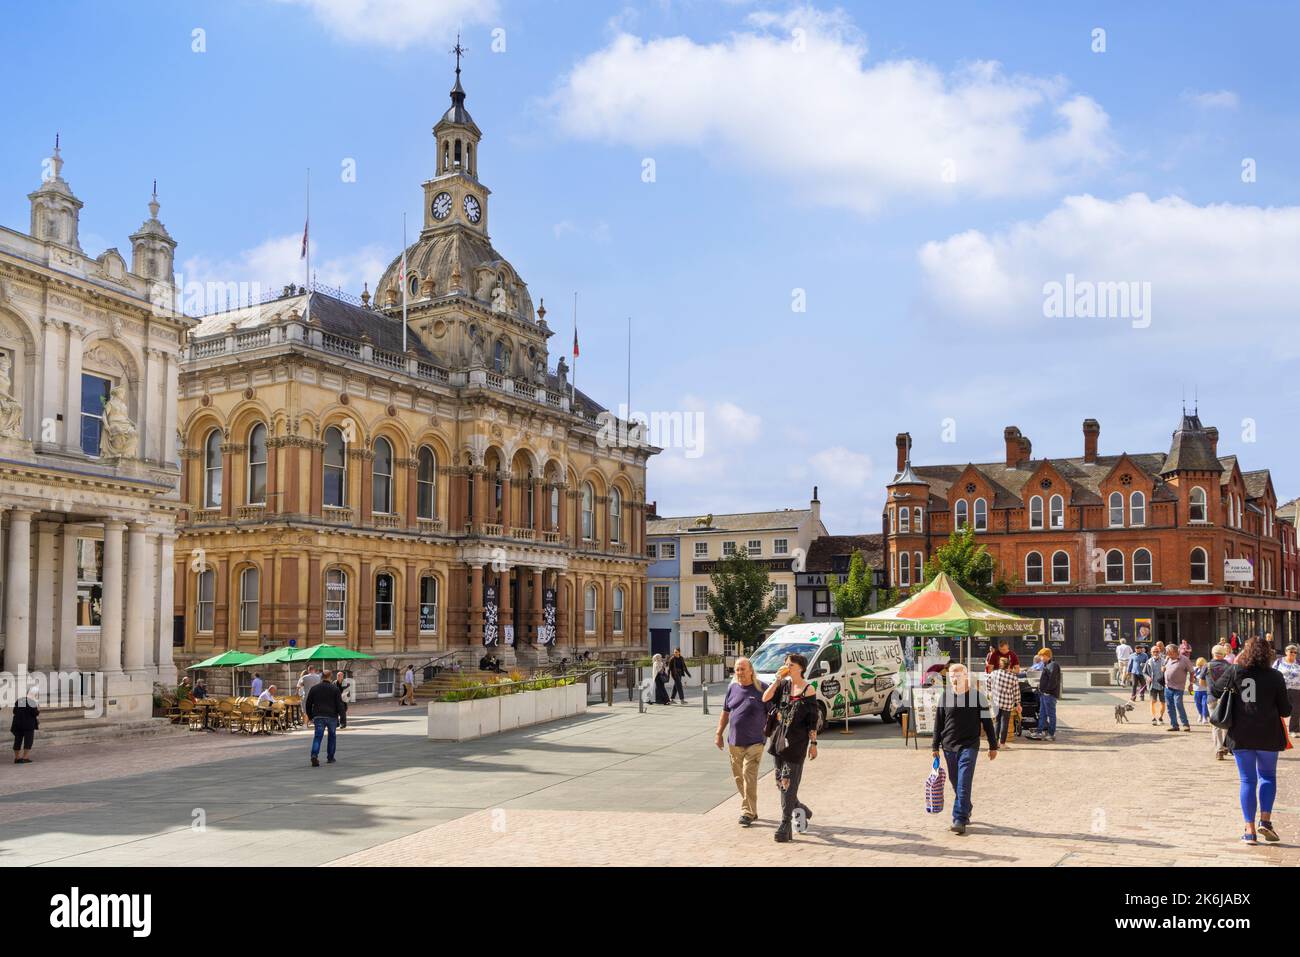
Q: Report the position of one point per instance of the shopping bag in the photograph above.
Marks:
(1286, 733)
(934, 789)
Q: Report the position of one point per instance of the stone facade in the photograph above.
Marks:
(89, 352)
(409, 492)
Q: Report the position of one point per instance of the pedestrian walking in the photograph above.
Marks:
(1049, 692)
(324, 707)
(1155, 672)
(309, 679)
(794, 739)
(743, 718)
(659, 671)
(1137, 669)
(1177, 672)
(1257, 733)
(957, 722)
(1219, 664)
(1004, 692)
(345, 696)
(408, 685)
(677, 669)
(257, 684)
(1123, 655)
(1200, 676)
(24, 725)
(1289, 668)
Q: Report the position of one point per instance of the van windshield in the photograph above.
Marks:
(770, 657)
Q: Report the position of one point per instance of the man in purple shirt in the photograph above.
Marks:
(746, 712)
(1177, 669)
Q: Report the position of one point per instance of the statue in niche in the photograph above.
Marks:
(11, 411)
(562, 373)
(476, 351)
(120, 439)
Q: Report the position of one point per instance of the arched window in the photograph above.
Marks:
(960, 513)
(257, 465)
(1057, 511)
(1142, 566)
(382, 478)
(335, 465)
(498, 495)
(1137, 509)
(893, 519)
(918, 520)
(588, 512)
(499, 357)
(904, 520)
(1200, 566)
(249, 586)
(1060, 568)
(1115, 567)
(1116, 508)
(615, 516)
(618, 611)
(212, 470)
(428, 604)
(1196, 502)
(904, 569)
(917, 567)
(981, 515)
(589, 610)
(555, 508)
(413, 284)
(207, 596)
(426, 482)
(384, 589)
(336, 601)
(1034, 568)
(1036, 512)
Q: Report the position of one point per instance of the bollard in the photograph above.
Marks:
(609, 687)
(704, 696)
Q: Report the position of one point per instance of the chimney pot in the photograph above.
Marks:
(1015, 443)
(1091, 432)
(903, 442)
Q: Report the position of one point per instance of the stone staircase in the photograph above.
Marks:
(61, 726)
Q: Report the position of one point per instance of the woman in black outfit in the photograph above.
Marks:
(794, 739)
(1260, 705)
(661, 680)
(23, 727)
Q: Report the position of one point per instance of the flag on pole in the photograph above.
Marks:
(305, 226)
(575, 340)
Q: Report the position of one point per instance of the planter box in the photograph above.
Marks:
(464, 720)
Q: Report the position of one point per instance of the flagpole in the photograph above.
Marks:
(403, 283)
(628, 414)
(573, 386)
(306, 245)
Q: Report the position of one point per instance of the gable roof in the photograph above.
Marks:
(787, 518)
(825, 548)
(1084, 478)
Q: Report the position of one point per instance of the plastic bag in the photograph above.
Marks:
(934, 783)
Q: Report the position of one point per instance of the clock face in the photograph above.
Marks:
(472, 209)
(442, 206)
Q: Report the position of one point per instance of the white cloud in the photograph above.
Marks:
(596, 232)
(276, 262)
(1209, 267)
(1216, 100)
(398, 23)
(792, 96)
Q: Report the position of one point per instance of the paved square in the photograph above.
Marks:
(619, 787)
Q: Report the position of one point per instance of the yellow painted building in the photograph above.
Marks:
(414, 495)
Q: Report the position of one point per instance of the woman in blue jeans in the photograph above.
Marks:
(1260, 704)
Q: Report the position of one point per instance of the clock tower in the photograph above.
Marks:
(455, 197)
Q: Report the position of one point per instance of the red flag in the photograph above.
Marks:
(305, 225)
(575, 342)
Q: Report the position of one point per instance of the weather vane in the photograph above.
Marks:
(459, 51)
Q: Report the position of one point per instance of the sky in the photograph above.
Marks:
(827, 223)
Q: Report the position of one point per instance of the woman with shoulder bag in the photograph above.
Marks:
(1254, 718)
(26, 722)
(794, 738)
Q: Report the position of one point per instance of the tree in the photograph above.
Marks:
(969, 564)
(742, 602)
(852, 597)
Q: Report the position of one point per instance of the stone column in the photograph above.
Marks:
(72, 399)
(139, 607)
(18, 583)
(608, 617)
(479, 478)
(67, 657)
(46, 600)
(166, 585)
(110, 630)
(535, 615)
(412, 510)
(476, 605)
(538, 501)
(170, 409)
(227, 480)
(505, 611)
(507, 493)
(47, 397)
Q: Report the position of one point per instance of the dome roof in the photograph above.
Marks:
(459, 260)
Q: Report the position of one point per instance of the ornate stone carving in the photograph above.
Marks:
(11, 411)
(120, 438)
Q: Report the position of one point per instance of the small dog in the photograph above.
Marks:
(1121, 712)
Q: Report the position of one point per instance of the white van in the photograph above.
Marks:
(852, 674)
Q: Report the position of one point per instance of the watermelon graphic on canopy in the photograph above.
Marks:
(943, 609)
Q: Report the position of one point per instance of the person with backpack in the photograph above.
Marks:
(1256, 734)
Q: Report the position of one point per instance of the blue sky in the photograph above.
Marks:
(915, 173)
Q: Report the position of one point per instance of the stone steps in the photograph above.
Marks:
(62, 726)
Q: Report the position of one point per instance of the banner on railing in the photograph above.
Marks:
(546, 632)
(489, 616)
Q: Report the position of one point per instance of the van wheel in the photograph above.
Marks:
(887, 715)
(821, 717)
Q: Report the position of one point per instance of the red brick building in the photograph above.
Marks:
(1106, 545)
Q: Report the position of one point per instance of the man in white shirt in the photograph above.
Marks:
(408, 686)
(267, 697)
(1123, 652)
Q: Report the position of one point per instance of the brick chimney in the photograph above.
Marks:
(816, 506)
(1212, 434)
(1091, 430)
(903, 442)
(1019, 448)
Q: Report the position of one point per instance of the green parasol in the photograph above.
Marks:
(314, 653)
(227, 659)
